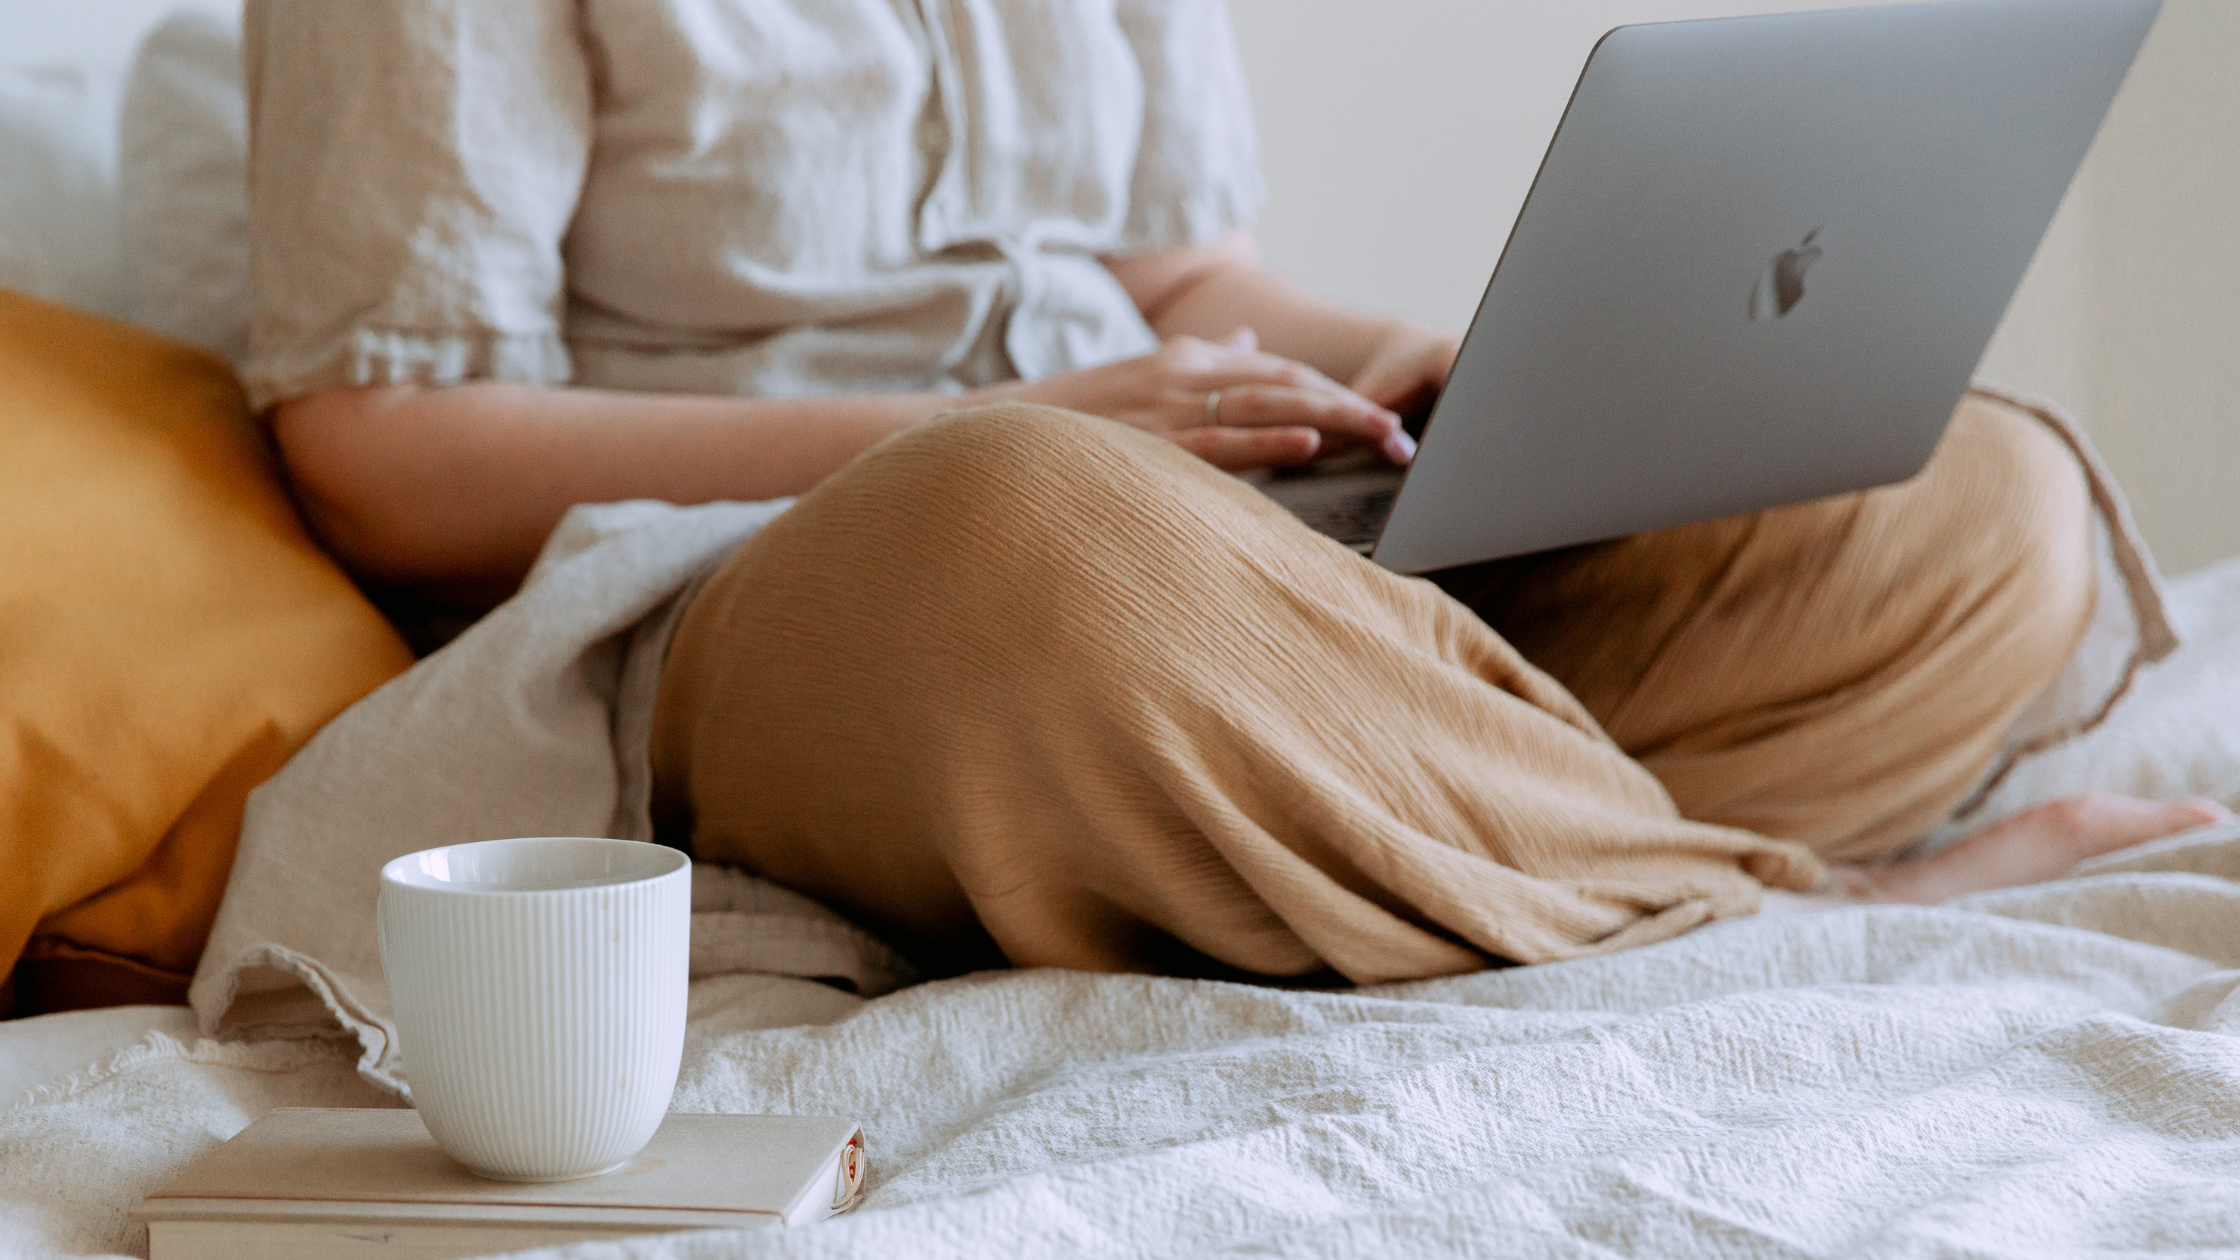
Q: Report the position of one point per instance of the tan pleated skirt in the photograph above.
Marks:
(1024, 685)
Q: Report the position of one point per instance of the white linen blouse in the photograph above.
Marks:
(771, 197)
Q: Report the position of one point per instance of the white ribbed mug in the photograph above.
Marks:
(539, 990)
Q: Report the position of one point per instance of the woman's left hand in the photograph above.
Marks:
(1406, 369)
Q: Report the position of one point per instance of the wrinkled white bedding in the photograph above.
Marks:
(2041, 1072)
(47, 1048)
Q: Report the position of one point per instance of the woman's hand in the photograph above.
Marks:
(1270, 411)
(1407, 368)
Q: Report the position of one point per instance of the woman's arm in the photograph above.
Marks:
(461, 484)
(455, 488)
(1213, 289)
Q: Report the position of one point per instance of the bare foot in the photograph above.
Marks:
(2030, 848)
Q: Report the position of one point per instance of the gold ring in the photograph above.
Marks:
(1213, 409)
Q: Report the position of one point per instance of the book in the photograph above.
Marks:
(368, 1182)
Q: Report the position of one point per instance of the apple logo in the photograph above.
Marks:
(1781, 285)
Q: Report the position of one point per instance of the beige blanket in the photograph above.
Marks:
(532, 723)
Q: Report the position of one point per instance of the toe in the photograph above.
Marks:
(2204, 812)
(2096, 824)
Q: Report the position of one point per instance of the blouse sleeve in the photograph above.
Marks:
(413, 168)
(1197, 171)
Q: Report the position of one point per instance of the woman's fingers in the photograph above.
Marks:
(1237, 361)
(1408, 369)
(1237, 367)
(1200, 367)
(1339, 415)
(1397, 382)
(1235, 450)
(1217, 387)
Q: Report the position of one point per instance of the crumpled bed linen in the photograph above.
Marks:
(2042, 1071)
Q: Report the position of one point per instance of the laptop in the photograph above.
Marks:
(1759, 265)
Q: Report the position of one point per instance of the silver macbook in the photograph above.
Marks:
(1761, 260)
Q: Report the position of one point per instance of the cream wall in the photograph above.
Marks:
(2164, 284)
(1400, 136)
(1399, 139)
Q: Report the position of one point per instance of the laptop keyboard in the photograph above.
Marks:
(1347, 503)
(1356, 522)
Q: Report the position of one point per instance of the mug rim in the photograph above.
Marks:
(394, 876)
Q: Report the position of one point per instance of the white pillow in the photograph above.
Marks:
(58, 193)
(184, 182)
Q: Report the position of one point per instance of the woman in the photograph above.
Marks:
(1036, 681)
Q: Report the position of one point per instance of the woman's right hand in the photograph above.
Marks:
(1270, 413)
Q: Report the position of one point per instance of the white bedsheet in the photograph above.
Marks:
(2050, 1071)
(47, 1049)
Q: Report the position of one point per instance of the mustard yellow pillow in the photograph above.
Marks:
(169, 635)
